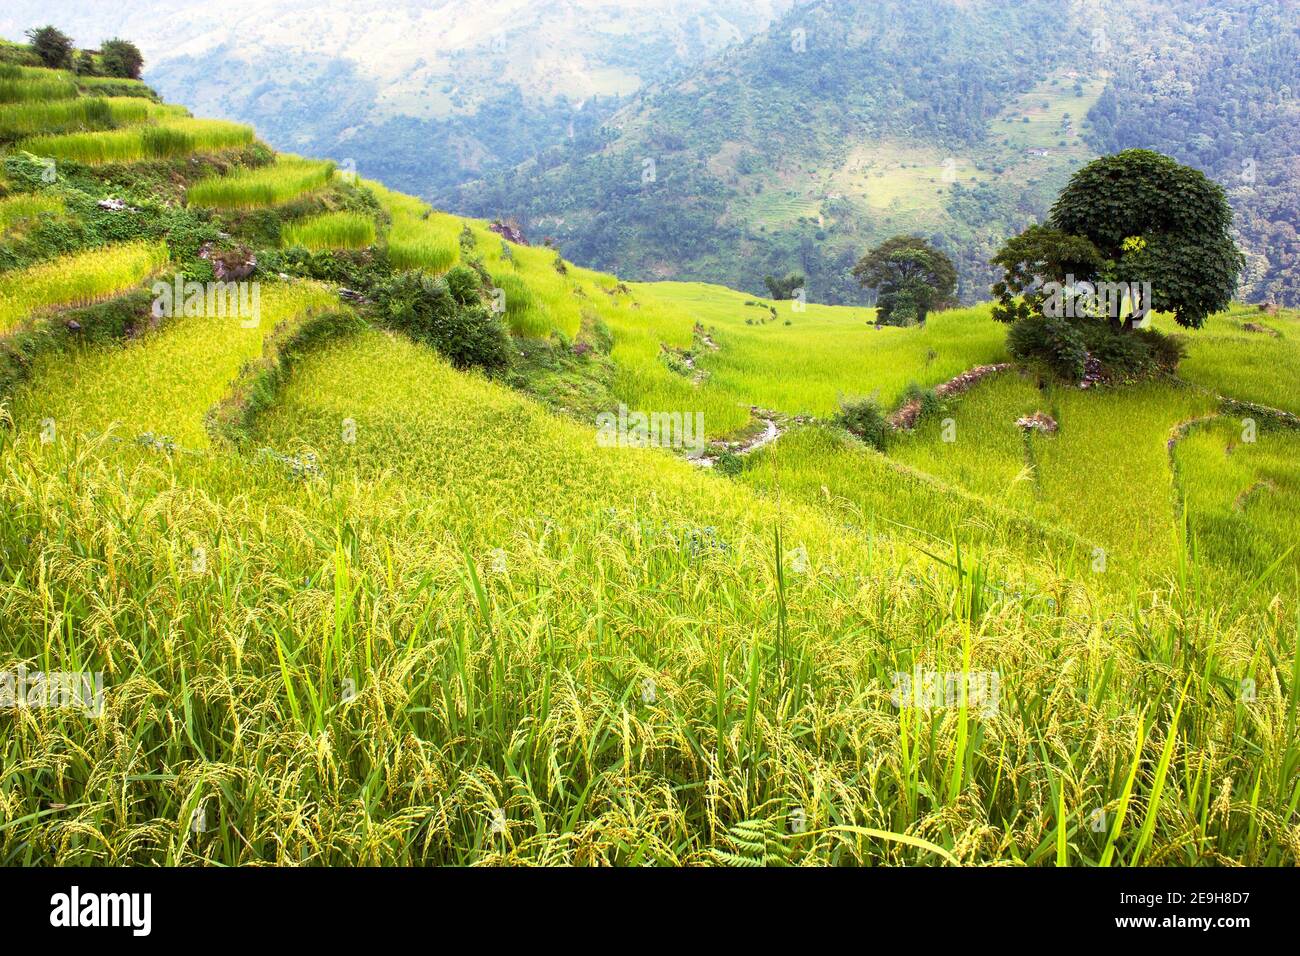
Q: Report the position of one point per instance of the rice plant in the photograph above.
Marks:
(434, 254)
(166, 139)
(27, 89)
(77, 279)
(524, 312)
(87, 113)
(24, 207)
(417, 239)
(331, 230)
(623, 669)
(288, 178)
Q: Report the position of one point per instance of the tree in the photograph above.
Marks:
(53, 46)
(1136, 220)
(781, 289)
(911, 278)
(121, 58)
(83, 64)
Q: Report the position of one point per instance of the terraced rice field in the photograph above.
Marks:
(418, 618)
(77, 279)
(166, 139)
(288, 178)
(331, 230)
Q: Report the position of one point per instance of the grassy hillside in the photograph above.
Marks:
(354, 605)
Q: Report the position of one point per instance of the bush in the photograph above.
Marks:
(928, 399)
(866, 419)
(1065, 347)
(1167, 351)
(1053, 342)
(442, 313)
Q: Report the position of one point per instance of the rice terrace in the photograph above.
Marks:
(429, 545)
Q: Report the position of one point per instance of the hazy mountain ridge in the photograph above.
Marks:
(959, 121)
(423, 95)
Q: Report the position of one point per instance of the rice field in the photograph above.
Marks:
(163, 384)
(1253, 366)
(22, 208)
(549, 664)
(288, 178)
(77, 279)
(823, 354)
(90, 84)
(162, 140)
(417, 240)
(25, 88)
(331, 230)
(87, 113)
(420, 619)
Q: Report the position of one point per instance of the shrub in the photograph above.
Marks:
(1065, 347)
(1053, 342)
(928, 399)
(428, 310)
(1167, 351)
(866, 419)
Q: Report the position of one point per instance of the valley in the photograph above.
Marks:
(365, 589)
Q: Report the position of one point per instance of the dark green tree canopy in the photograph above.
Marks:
(783, 288)
(911, 278)
(53, 46)
(121, 58)
(1137, 219)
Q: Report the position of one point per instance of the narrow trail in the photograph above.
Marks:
(774, 428)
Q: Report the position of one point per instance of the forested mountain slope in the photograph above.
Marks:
(845, 123)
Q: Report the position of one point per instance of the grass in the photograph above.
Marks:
(169, 138)
(77, 279)
(165, 383)
(287, 179)
(19, 209)
(88, 113)
(331, 230)
(419, 619)
(542, 668)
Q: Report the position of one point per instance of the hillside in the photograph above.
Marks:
(354, 603)
(490, 81)
(846, 123)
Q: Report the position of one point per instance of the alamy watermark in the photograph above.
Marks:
(236, 300)
(56, 690)
(1087, 300)
(932, 690)
(628, 429)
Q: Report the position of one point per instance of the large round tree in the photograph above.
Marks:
(1138, 219)
(911, 279)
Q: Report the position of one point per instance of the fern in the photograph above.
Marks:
(754, 843)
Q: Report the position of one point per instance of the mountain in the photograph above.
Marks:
(845, 123)
(422, 94)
